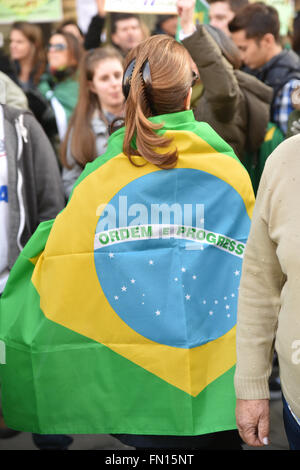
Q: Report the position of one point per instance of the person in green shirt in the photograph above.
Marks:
(59, 85)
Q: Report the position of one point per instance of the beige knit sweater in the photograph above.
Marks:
(269, 297)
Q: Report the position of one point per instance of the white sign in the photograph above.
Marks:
(142, 6)
(85, 11)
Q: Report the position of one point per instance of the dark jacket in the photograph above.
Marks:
(278, 71)
(6, 66)
(235, 104)
(34, 182)
(92, 38)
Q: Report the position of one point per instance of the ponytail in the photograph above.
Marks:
(141, 130)
(149, 94)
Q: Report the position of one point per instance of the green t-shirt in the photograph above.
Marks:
(255, 161)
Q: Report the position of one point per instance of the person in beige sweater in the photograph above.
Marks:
(269, 301)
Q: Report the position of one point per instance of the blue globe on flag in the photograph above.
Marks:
(167, 286)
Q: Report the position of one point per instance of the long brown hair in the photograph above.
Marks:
(34, 34)
(83, 140)
(75, 50)
(171, 78)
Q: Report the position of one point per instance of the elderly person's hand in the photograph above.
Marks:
(252, 417)
(295, 127)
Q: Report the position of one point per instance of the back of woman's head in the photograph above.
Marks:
(159, 84)
(35, 36)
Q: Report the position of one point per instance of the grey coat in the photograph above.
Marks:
(34, 182)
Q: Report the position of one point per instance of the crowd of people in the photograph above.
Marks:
(60, 104)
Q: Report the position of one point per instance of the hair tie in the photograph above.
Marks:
(146, 74)
(146, 77)
(127, 78)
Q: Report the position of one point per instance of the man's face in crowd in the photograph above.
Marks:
(253, 51)
(128, 34)
(219, 16)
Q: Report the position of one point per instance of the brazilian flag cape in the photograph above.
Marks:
(119, 315)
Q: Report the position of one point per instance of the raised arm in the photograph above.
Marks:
(93, 35)
(220, 84)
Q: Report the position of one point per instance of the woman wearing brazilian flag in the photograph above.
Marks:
(124, 319)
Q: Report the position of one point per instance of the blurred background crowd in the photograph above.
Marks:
(68, 73)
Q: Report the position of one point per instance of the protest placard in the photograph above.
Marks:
(85, 11)
(34, 11)
(142, 6)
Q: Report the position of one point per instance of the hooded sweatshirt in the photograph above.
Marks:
(35, 191)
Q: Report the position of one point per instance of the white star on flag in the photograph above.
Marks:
(211, 312)
(232, 295)
(157, 313)
(116, 297)
(132, 281)
(151, 261)
(227, 307)
(111, 255)
(194, 277)
(176, 279)
(183, 270)
(124, 289)
(187, 297)
(236, 272)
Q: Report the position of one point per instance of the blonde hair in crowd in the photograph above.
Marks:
(171, 78)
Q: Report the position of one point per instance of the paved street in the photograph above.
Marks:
(23, 441)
